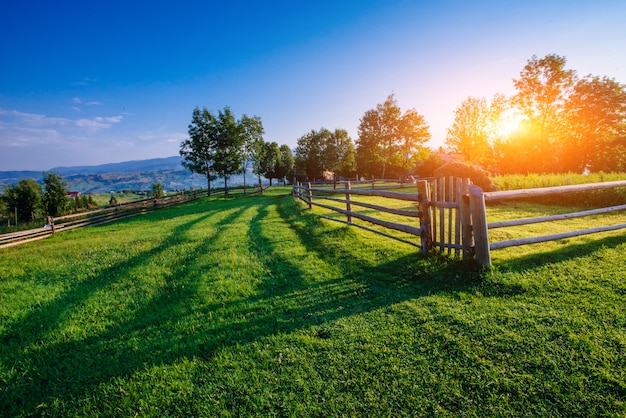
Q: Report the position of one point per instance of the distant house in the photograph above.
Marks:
(72, 195)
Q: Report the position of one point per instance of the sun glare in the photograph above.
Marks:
(508, 123)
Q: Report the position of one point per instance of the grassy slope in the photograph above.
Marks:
(245, 307)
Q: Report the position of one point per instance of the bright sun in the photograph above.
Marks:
(508, 123)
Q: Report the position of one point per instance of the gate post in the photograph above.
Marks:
(310, 195)
(348, 200)
(423, 198)
(467, 240)
(479, 225)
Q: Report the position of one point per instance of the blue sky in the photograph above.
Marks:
(91, 82)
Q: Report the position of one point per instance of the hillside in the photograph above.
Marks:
(128, 175)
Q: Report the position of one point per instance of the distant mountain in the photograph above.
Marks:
(154, 164)
(129, 175)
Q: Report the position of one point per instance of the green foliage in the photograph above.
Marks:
(157, 190)
(286, 163)
(389, 140)
(26, 195)
(565, 123)
(477, 175)
(323, 150)
(219, 144)
(249, 307)
(55, 194)
(82, 202)
(427, 167)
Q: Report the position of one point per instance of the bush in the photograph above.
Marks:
(477, 175)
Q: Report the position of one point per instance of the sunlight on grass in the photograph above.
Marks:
(252, 307)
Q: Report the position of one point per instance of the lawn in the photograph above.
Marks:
(253, 307)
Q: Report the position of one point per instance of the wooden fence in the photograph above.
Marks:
(481, 227)
(96, 217)
(452, 213)
(436, 220)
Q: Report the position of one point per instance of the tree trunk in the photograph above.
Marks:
(225, 187)
(208, 180)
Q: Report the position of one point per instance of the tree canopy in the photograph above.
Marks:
(55, 195)
(219, 145)
(323, 150)
(555, 122)
(389, 140)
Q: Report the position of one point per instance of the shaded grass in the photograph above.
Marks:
(249, 307)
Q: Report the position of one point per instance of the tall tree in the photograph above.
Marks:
(253, 135)
(388, 139)
(25, 197)
(229, 141)
(414, 133)
(270, 160)
(323, 150)
(338, 153)
(475, 128)
(309, 159)
(598, 110)
(286, 162)
(55, 194)
(543, 90)
(199, 149)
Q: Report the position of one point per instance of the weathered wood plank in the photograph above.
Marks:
(535, 240)
(539, 219)
(546, 191)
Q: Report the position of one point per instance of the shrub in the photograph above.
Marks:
(477, 175)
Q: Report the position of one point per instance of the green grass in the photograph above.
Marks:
(251, 307)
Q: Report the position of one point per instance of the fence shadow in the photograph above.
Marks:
(287, 299)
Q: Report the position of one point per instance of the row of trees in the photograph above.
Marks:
(219, 145)
(390, 144)
(555, 122)
(29, 201)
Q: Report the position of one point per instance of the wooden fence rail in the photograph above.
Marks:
(443, 206)
(95, 217)
(452, 213)
(484, 247)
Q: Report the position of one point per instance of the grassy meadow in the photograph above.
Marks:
(256, 307)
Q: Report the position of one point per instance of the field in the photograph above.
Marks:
(254, 307)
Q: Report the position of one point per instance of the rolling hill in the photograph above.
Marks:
(128, 175)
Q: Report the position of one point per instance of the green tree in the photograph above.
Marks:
(543, 90)
(229, 142)
(270, 160)
(157, 190)
(475, 128)
(286, 162)
(308, 158)
(338, 153)
(26, 197)
(597, 107)
(55, 194)
(388, 140)
(199, 149)
(323, 150)
(253, 138)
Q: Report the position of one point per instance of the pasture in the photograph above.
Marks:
(256, 307)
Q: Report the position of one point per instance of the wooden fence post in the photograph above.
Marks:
(479, 225)
(348, 204)
(423, 197)
(310, 195)
(467, 240)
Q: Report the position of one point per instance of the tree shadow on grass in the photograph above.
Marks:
(287, 299)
